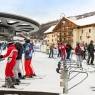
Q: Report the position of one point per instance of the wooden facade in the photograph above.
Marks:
(62, 32)
(65, 29)
(68, 31)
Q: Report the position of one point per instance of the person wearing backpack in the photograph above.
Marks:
(28, 51)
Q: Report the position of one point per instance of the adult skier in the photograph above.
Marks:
(11, 55)
(28, 51)
(17, 69)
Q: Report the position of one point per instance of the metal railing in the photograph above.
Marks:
(66, 71)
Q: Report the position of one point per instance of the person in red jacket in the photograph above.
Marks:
(78, 52)
(63, 51)
(11, 55)
(62, 55)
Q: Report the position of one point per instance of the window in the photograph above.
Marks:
(82, 31)
(80, 37)
(89, 30)
(70, 33)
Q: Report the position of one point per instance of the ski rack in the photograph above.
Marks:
(81, 80)
(4, 92)
(66, 70)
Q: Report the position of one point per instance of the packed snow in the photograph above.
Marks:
(80, 82)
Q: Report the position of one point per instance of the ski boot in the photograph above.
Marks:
(20, 76)
(15, 81)
(8, 83)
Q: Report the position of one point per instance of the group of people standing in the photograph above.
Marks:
(82, 52)
(14, 58)
(64, 50)
(85, 53)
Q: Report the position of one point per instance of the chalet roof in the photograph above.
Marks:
(85, 21)
(50, 29)
(79, 22)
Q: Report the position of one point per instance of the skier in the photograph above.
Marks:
(28, 51)
(11, 55)
(17, 69)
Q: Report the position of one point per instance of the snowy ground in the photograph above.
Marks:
(79, 83)
(45, 68)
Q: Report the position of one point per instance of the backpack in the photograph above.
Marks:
(28, 51)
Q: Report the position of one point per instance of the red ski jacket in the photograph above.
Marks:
(11, 53)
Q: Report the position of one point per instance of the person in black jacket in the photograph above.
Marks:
(68, 50)
(90, 49)
(17, 69)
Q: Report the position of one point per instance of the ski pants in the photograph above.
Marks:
(28, 67)
(90, 57)
(9, 69)
(17, 68)
(79, 60)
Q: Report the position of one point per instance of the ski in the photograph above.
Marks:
(36, 77)
(15, 88)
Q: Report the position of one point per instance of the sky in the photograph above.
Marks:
(44, 11)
